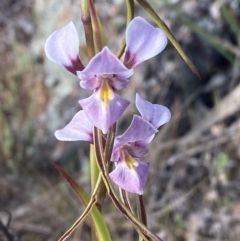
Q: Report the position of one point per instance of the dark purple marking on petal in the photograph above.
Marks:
(129, 59)
(76, 66)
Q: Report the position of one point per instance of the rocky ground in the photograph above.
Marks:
(193, 192)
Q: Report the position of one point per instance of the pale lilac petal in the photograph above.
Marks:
(157, 115)
(105, 64)
(117, 156)
(143, 42)
(101, 117)
(139, 130)
(130, 180)
(138, 149)
(80, 128)
(117, 83)
(62, 48)
(92, 83)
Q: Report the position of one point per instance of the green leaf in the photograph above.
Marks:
(161, 24)
(93, 167)
(99, 223)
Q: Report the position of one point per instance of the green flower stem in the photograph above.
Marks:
(95, 26)
(109, 143)
(130, 10)
(87, 24)
(147, 7)
(120, 206)
(141, 213)
(93, 168)
(103, 38)
(125, 199)
(130, 15)
(122, 48)
(141, 209)
(88, 30)
(107, 155)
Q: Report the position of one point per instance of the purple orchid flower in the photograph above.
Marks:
(105, 73)
(130, 174)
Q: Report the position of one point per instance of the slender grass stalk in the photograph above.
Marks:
(87, 210)
(130, 15)
(231, 19)
(147, 7)
(125, 199)
(214, 40)
(93, 167)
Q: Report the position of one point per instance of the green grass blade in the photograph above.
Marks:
(161, 24)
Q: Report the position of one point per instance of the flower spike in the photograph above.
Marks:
(62, 48)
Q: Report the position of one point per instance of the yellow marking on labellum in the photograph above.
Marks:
(106, 92)
(130, 161)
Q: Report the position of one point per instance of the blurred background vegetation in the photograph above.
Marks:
(193, 191)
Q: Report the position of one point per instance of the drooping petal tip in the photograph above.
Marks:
(143, 41)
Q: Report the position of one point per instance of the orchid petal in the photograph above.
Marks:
(138, 148)
(117, 156)
(103, 116)
(139, 130)
(157, 115)
(79, 128)
(91, 84)
(143, 42)
(130, 180)
(105, 64)
(62, 48)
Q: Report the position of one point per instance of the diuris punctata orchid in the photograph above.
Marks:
(105, 74)
(130, 174)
